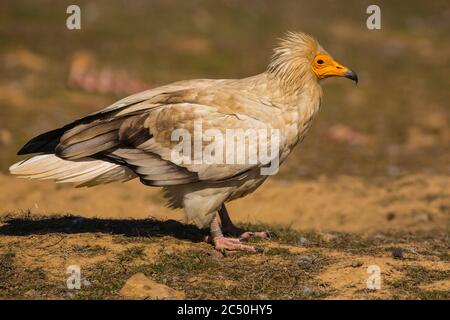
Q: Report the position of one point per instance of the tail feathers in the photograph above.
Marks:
(82, 172)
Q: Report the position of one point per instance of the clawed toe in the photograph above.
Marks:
(232, 244)
(245, 235)
(258, 234)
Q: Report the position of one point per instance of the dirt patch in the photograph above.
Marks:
(328, 233)
(36, 251)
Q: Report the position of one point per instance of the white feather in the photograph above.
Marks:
(82, 172)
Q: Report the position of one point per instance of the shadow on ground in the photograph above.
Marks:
(127, 227)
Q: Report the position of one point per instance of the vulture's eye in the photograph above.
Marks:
(320, 61)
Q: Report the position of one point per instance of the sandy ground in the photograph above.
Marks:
(345, 223)
(344, 204)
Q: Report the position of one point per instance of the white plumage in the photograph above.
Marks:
(82, 172)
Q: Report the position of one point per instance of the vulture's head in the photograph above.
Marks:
(300, 58)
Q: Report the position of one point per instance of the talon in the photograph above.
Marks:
(222, 244)
(259, 234)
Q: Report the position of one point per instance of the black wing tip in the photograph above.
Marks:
(44, 142)
(26, 149)
(32, 147)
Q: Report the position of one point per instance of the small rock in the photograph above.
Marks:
(397, 253)
(303, 241)
(86, 283)
(379, 237)
(31, 293)
(305, 290)
(390, 216)
(423, 217)
(306, 262)
(141, 287)
(327, 237)
(168, 252)
(356, 264)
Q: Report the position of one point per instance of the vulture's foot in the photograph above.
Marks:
(222, 243)
(233, 244)
(230, 229)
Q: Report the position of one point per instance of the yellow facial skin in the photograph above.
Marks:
(324, 66)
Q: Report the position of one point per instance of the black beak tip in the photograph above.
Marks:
(350, 74)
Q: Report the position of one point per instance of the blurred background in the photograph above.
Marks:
(369, 184)
(394, 123)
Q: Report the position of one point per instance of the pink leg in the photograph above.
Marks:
(222, 243)
(229, 228)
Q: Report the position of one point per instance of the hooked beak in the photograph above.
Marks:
(350, 74)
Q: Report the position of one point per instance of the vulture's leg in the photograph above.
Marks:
(222, 243)
(230, 229)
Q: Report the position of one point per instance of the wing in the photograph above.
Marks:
(47, 142)
(143, 134)
(204, 140)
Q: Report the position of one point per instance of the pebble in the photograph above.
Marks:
(379, 237)
(306, 262)
(423, 217)
(397, 253)
(303, 241)
(328, 237)
(390, 216)
(141, 287)
(306, 290)
(356, 264)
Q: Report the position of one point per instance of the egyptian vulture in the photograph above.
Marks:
(139, 137)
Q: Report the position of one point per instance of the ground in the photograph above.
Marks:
(327, 234)
(368, 186)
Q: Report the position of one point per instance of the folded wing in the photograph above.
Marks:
(136, 136)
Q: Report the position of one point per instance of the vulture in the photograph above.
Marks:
(156, 136)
